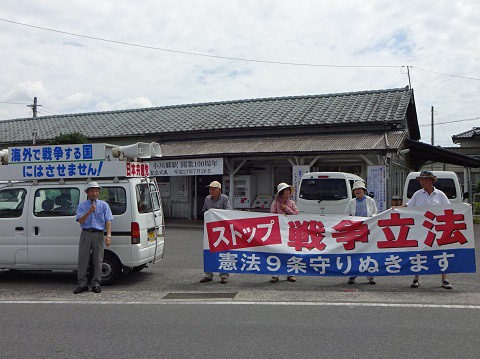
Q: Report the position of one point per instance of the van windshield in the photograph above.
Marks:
(446, 185)
(329, 189)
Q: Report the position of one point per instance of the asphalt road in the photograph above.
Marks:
(248, 317)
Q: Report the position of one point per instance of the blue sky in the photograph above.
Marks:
(353, 45)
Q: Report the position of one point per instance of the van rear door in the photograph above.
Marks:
(149, 216)
(324, 192)
(447, 182)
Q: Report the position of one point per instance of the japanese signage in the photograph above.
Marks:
(297, 173)
(187, 167)
(404, 241)
(81, 169)
(60, 153)
(377, 183)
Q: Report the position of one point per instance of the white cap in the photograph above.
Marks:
(215, 184)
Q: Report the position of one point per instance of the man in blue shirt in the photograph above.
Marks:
(94, 217)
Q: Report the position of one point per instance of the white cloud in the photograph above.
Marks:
(74, 74)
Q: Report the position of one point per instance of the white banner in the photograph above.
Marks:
(403, 241)
(187, 167)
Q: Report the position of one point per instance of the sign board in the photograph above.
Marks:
(297, 173)
(57, 153)
(377, 183)
(187, 167)
(79, 169)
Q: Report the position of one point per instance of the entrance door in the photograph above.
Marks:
(202, 183)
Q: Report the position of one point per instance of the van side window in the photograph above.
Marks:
(11, 202)
(56, 202)
(145, 203)
(116, 198)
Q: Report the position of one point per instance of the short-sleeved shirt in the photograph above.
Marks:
(221, 202)
(422, 198)
(97, 219)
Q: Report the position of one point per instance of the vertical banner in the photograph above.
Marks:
(297, 173)
(377, 183)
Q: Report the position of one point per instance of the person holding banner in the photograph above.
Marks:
(428, 195)
(215, 200)
(361, 206)
(283, 204)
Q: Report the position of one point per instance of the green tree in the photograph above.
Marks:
(69, 138)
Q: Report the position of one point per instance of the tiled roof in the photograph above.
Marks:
(474, 132)
(317, 110)
(287, 144)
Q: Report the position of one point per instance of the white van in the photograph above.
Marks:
(38, 230)
(447, 182)
(325, 192)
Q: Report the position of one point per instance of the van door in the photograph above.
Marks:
(324, 193)
(54, 233)
(13, 226)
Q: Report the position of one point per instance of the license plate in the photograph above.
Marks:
(151, 235)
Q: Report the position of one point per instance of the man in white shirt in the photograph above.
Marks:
(428, 195)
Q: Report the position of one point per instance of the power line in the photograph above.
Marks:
(444, 74)
(14, 103)
(443, 123)
(10, 87)
(197, 53)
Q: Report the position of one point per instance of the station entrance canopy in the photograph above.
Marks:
(421, 153)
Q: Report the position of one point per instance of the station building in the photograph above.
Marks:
(258, 143)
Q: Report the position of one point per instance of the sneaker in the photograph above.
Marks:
(446, 285)
(291, 278)
(372, 281)
(415, 283)
(351, 280)
(274, 280)
(224, 280)
(205, 280)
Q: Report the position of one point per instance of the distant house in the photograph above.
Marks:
(260, 142)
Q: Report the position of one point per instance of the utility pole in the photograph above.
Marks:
(34, 107)
(432, 139)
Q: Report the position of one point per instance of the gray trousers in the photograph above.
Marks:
(90, 242)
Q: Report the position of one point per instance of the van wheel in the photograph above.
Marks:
(111, 269)
(138, 268)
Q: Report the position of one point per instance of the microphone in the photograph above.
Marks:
(94, 202)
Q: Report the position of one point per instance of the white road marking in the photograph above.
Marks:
(247, 303)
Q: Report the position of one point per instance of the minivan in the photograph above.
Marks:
(447, 182)
(325, 192)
